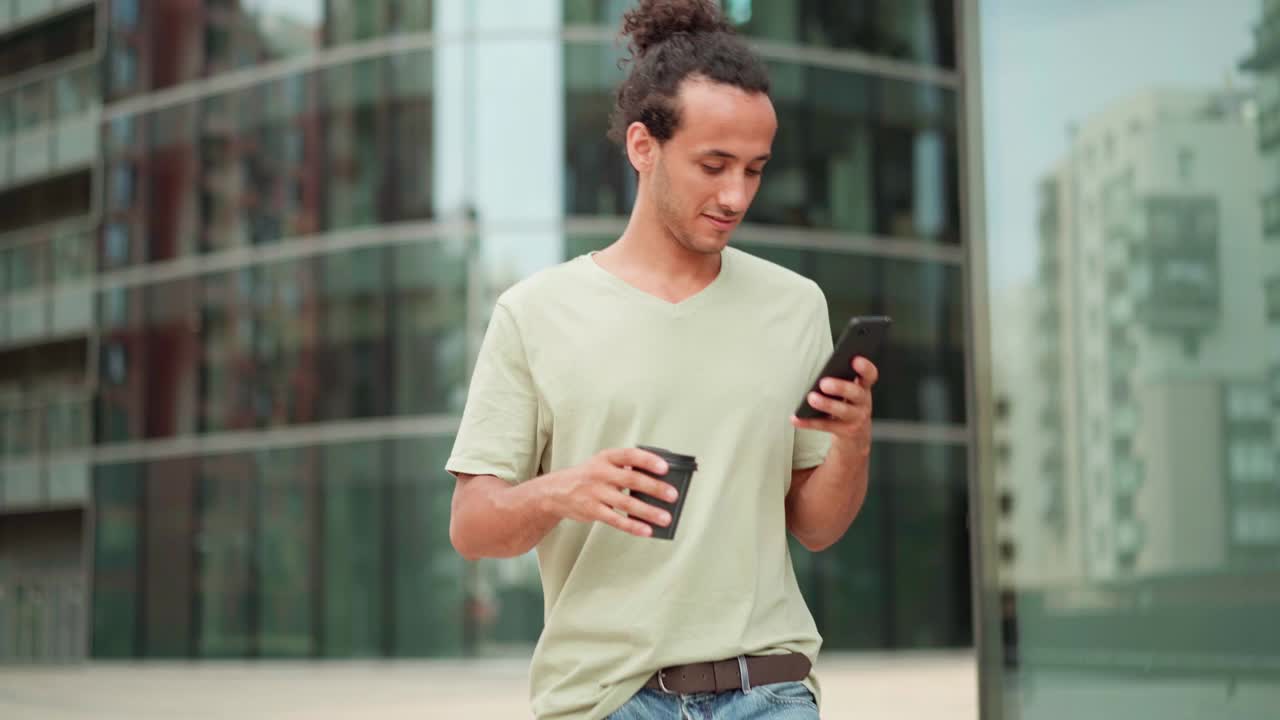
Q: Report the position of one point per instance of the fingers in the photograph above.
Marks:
(851, 392)
(823, 424)
(839, 409)
(636, 458)
(639, 509)
(868, 373)
(645, 484)
(609, 516)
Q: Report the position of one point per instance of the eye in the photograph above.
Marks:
(754, 173)
(712, 169)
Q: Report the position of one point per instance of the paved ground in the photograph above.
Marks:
(862, 687)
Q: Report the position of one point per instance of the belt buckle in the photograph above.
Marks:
(662, 684)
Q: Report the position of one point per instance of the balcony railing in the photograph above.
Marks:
(43, 618)
(49, 120)
(16, 13)
(46, 278)
(40, 440)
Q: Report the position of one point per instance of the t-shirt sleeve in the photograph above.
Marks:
(499, 434)
(811, 446)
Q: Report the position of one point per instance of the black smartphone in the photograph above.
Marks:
(863, 336)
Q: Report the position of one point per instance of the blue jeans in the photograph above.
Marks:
(779, 701)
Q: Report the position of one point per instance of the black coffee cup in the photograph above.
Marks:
(680, 469)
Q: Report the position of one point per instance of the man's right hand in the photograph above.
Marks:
(593, 491)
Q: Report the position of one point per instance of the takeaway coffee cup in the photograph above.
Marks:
(680, 469)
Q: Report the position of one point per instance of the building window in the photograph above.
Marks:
(1271, 216)
(124, 70)
(1272, 289)
(1256, 526)
(1247, 403)
(124, 14)
(121, 187)
(1251, 460)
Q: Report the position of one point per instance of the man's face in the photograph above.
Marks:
(705, 177)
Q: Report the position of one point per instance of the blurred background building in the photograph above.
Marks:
(249, 248)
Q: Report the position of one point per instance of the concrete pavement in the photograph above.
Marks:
(908, 686)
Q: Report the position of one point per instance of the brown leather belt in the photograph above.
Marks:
(725, 675)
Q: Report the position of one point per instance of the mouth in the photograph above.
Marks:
(720, 223)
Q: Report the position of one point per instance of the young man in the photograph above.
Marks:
(667, 338)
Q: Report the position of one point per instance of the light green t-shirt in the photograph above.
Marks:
(576, 361)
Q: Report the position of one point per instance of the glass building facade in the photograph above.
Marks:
(296, 217)
(1128, 398)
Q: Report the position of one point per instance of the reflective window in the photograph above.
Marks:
(117, 528)
(340, 148)
(429, 577)
(339, 550)
(169, 568)
(904, 563)
(1129, 262)
(225, 573)
(355, 520)
(913, 30)
(370, 332)
(922, 368)
(205, 38)
(853, 153)
(124, 13)
(59, 38)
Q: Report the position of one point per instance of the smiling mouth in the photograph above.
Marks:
(720, 222)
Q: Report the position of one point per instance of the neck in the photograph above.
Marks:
(648, 246)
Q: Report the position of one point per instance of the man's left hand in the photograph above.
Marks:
(847, 403)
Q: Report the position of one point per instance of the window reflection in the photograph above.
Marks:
(205, 38)
(1134, 359)
(314, 152)
(853, 153)
(914, 30)
(364, 333)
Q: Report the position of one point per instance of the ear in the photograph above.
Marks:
(642, 147)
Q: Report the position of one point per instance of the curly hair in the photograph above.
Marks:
(672, 40)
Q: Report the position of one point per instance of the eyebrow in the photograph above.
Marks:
(731, 156)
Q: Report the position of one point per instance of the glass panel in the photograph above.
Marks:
(1135, 561)
(904, 563)
(286, 516)
(117, 492)
(343, 147)
(430, 327)
(357, 153)
(922, 376)
(428, 572)
(350, 22)
(75, 91)
(168, 559)
(414, 15)
(224, 555)
(354, 550)
(72, 254)
(356, 352)
(853, 153)
(914, 30)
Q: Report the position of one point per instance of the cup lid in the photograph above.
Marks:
(673, 458)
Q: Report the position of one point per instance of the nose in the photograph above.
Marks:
(733, 196)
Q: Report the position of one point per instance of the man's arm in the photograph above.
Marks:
(823, 501)
(490, 517)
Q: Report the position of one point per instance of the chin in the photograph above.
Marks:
(709, 245)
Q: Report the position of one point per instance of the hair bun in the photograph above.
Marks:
(653, 21)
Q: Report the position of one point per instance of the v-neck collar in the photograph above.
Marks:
(648, 298)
